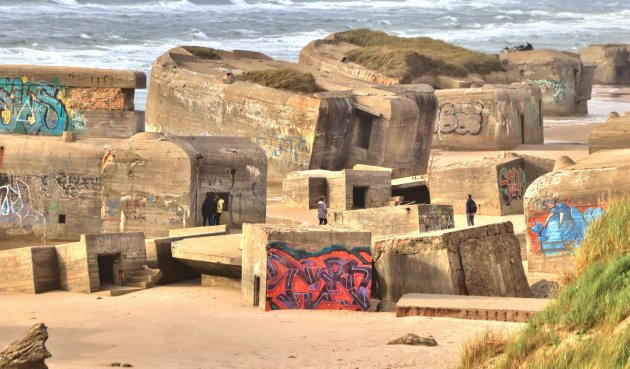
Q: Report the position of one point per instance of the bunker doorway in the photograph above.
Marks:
(108, 266)
(360, 197)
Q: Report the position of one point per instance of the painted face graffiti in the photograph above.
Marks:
(564, 228)
(512, 184)
(334, 278)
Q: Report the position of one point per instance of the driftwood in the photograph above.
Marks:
(27, 352)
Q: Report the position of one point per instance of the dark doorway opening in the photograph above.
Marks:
(415, 195)
(107, 265)
(522, 128)
(256, 290)
(363, 129)
(359, 197)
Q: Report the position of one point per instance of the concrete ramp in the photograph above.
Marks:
(215, 255)
(505, 309)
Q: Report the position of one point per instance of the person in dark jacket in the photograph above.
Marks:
(208, 209)
(471, 209)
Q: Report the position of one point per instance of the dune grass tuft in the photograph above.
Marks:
(405, 58)
(287, 79)
(588, 324)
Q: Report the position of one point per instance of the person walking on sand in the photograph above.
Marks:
(208, 208)
(322, 211)
(471, 209)
(217, 216)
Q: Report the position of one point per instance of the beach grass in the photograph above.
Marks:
(287, 79)
(588, 324)
(405, 58)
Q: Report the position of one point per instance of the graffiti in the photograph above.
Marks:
(512, 184)
(464, 118)
(436, 220)
(70, 185)
(559, 88)
(333, 278)
(15, 206)
(35, 108)
(563, 229)
(284, 148)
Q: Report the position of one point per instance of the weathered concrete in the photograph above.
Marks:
(613, 134)
(564, 82)
(198, 231)
(29, 269)
(350, 122)
(80, 267)
(493, 117)
(214, 255)
(275, 259)
(560, 205)
(413, 190)
(504, 309)
(497, 185)
(160, 256)
(346, 189)
(482, 261)
(28, 351)
(223, 282)
(396, 220)
(611, 62)
(86, 101)
(153, 193)
(54, 188)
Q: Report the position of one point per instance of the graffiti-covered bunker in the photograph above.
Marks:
(497, 184)
(310, 120)
(67, 168)
(560, 205)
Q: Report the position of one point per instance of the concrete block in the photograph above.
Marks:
(290, 267)
(198, 231)
(29, 269)
(215, 255)
(440, 262)
(223, 282)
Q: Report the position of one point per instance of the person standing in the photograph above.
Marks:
(322, 211)
(219, 209)
(471, 209)
(208, 209)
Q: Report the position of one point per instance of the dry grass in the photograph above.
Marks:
(587, 324)
(406, 58)
(287, 79)
(202, 52)
(481, 349)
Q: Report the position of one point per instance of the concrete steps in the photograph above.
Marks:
(505, 309)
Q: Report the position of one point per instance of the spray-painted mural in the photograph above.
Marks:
(333, 278)
(293, 151)
(512, 184)
(464, 118)
(560, 227)
(436, 219)
(558, 89)
(16, 208)
(35, 108)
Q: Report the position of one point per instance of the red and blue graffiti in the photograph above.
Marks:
(333, 278)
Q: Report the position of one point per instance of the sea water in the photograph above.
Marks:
(132, 34)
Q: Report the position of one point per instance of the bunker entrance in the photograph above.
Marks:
(108, 266)
(359, 197)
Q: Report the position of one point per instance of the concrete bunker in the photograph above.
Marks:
(153, 194)
(338, 276)
(497, 184)
(559, 206)
(346, 189)
(612, 135)
(611, 62)
(348, 122)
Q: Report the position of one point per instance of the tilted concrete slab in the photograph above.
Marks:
(612, 135)
(198, 231)
(215, 255)
(505, 309)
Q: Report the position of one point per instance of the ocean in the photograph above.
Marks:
(132, 34)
